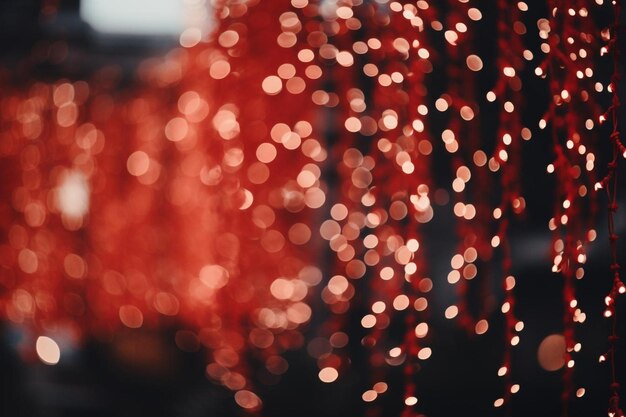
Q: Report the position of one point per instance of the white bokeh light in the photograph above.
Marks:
(73, 195)
(135, 17)
(48, 350)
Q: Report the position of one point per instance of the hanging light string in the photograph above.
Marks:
(383, 148)
(461, 139)
(507, 94)
(569, 32)
(609, 184)
(352, 36)
(415, 191)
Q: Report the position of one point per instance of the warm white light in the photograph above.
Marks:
(73, 195)
(48, 350)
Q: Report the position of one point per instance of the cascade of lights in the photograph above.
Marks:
(506, 93)
(384, 153)
(570, 38)
(609, 183)
(462, 138)
(198, 198)
(116, 188)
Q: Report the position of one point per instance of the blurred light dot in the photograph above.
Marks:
(401, 302)
(441, 104)
(369, 395)
(247, 399)
(424, 353)
(551, 352)
(228, 38)
(482, 326)
(190, 37)
(73, 195)
(474, 14)
(410, 401)
(421, 330)
(48, 350)
(272, 85)
(138, 163)
(28, 261)
(467, 113)
(176, 129)
(451, 312)
(368, 321)
(219, 69)
(328, 375)
(74, 266)
(214, 276)
(380, 387)
(474, 62)
(131, 316)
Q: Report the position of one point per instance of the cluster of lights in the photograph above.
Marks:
(569, 35)
(203, 209)
(382, 161)
(184, 201)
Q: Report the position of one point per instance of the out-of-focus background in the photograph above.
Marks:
(144, 373)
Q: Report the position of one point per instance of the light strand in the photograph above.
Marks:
(609, 184)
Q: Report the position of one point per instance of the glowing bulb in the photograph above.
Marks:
(410, 401)
(48, 350)
(73, 195)
(328, 375)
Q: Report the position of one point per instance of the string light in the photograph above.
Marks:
(609, 184)
(507, 90)
(567, 113)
